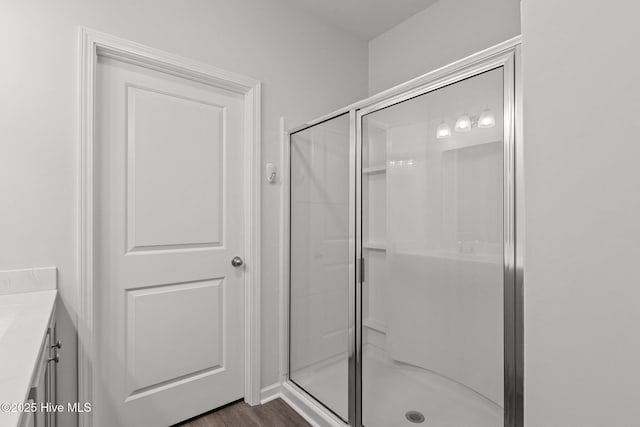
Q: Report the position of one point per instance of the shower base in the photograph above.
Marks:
(392, 389)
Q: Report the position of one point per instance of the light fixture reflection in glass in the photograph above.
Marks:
(443, 131)
(463, 124)
(486, 119)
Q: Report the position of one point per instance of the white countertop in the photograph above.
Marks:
(24, 319)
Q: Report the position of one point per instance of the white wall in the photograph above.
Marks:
(442, 33)
(582, 173)
(306, 67)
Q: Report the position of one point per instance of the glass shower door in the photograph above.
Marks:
(432, 299)
(321, 262)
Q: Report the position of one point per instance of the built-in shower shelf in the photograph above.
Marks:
(374, 324)
(376, 246)
(375, 169)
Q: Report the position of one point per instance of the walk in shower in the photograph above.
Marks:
(404, 287)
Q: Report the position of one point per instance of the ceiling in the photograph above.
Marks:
(364, 18)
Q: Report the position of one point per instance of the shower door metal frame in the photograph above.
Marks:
(329, 415)
(512, 180)
(507, 56)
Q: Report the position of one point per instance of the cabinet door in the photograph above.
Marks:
(40, 397)
(28, 419)
(43, 392)
(51, 376)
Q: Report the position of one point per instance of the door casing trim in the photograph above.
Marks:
(92, 44)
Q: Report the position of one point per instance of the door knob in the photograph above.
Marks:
(237, 261)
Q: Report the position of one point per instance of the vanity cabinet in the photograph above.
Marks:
(28, 341)
(42, 395)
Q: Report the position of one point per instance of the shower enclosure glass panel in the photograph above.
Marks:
(320, 262)
(432, 243)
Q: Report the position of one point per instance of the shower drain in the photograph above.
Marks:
(414, 416)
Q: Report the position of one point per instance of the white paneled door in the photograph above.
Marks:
(169, 319)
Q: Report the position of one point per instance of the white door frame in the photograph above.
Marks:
(92, 44)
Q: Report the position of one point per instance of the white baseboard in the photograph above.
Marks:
(267, 394)
(314, 413)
